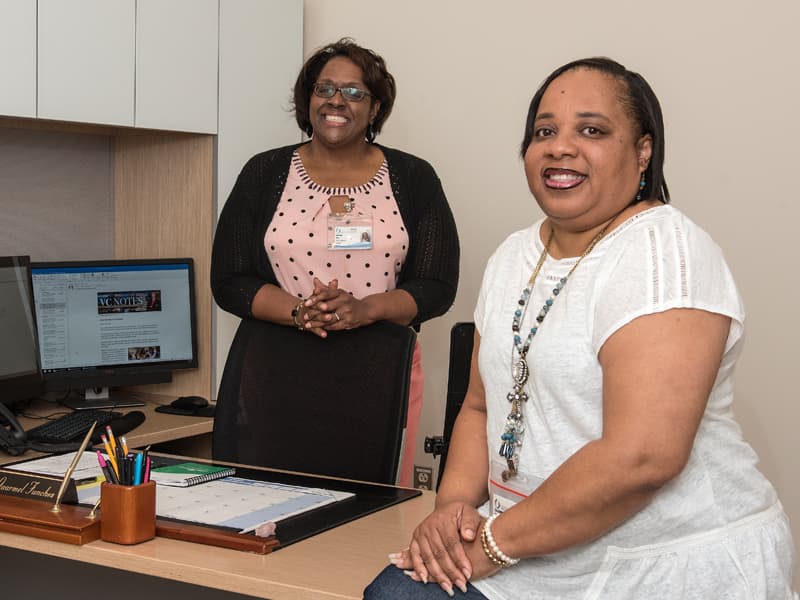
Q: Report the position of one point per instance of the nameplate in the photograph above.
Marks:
(35, 486)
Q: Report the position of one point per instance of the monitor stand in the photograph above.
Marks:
(102, 398)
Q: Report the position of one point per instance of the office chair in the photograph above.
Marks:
(335, 406)
(461, 343)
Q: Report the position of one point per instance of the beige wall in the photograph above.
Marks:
(727, 76)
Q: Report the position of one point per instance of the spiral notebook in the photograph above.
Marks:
(189, 473)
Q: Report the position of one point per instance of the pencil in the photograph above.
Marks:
(110, 454)
(111, 438)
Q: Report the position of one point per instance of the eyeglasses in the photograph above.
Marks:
(328, 90)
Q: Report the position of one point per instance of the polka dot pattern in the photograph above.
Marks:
(297, 237)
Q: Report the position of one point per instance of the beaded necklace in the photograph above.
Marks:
(511, 438)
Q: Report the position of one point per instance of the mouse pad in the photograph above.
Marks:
(206, 411)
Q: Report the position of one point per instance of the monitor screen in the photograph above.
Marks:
(114, 323)
(20, 377)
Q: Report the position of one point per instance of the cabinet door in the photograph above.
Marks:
(176, 65)
(86, 60)
(18, 58)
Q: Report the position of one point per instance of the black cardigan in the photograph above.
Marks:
(239, 262)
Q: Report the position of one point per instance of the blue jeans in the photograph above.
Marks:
(393, 584)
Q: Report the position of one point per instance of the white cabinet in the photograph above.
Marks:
(176, 65)
(86, 60)
(18, 58)
(142, 63)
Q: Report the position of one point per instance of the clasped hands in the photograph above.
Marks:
(446, 548)
(329, 308)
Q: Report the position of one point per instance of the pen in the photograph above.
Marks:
(131, 469)
(120, 459)
(137, 469)
(71, 469)
(108, 472)
(111, 475)
(127, 477)
(146, 460)
(103, 464)
(110, 455)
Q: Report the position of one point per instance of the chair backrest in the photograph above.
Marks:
(461, 343)
(335, 406)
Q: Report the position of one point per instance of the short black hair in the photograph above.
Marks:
(376, 77)
(641, 104)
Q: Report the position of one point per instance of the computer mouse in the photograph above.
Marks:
(191, 403)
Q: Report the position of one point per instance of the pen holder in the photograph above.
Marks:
(128, 512)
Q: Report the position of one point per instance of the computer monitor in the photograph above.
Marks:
(20, 376)
(106, 324)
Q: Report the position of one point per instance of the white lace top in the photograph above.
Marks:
(657, 260)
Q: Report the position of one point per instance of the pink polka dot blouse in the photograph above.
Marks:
(296, 240)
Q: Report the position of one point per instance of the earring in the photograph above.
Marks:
(370, 136)
(642, 185)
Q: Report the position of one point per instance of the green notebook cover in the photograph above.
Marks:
(189, 473)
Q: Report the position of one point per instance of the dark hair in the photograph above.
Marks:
(377, 79)
(640, 103)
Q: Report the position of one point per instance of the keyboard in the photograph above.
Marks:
(71, 426)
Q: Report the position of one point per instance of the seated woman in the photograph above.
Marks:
(338, 232)
(599, 405)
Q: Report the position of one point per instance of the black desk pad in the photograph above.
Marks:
(368, 498)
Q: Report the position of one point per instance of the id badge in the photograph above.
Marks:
(505, 494)
(349, 231)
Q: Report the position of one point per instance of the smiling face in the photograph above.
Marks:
(586, 157)
(336, 121)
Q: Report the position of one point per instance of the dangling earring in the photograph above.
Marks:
(642, 185)
(370, 137)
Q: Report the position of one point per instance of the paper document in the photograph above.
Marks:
(57, 465)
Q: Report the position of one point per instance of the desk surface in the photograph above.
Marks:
(157, 427)
(338, 563)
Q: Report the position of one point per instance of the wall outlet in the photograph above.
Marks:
(423, 478)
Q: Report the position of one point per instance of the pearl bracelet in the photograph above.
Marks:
(492, 550)
(488, 551)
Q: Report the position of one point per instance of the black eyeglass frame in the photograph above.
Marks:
(346, 91)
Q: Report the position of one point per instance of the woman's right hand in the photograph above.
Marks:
(437, 552)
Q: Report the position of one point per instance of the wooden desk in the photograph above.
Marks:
(336, 564)
(173, 434)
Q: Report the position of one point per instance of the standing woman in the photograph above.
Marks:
(281, 251)
(599, 404)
